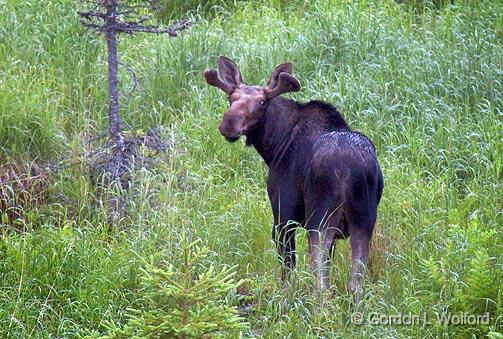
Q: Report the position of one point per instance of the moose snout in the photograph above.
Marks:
(231, 128)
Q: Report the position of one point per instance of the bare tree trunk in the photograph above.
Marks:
(113, 73)
(119, 166)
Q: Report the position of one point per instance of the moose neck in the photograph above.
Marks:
(273, 135)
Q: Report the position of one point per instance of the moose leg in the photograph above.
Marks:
(360, 246)
(321, 234)
(319, 258)
(316, 257)
(287, 214)
(328, 248)
(284, 236)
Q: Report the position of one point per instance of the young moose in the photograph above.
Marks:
(322, 174)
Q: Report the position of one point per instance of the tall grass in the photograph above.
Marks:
(425, 86)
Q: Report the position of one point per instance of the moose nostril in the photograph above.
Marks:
(226, 125)
(230, 127)
(225, 128)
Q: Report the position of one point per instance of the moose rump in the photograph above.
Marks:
(342, 190)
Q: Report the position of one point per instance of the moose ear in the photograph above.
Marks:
(286, 83)
(229, 72)
(212, 79)
(273, 81)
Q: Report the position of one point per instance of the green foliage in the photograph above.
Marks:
(464, 273)
(178, 305)
(425, 85)
(481, 284)
(421, 6)
(169, 9)
(495, 335)
(45, 84)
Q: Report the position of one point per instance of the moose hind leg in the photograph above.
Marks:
(360, 247)
(321, 234)
(316, 258)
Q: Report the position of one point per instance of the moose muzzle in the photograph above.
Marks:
(231, 127)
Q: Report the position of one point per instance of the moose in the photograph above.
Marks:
(322, 175)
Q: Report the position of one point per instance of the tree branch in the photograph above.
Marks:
(133, 27)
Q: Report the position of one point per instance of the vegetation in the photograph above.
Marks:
(424, 84)
(184, 304)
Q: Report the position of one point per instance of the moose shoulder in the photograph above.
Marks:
(322, 174)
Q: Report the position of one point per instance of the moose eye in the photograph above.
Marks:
(262, 103)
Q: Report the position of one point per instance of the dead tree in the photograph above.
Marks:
(111, 17)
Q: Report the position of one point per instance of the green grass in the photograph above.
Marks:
(425, 85)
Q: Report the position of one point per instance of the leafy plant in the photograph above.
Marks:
(184, 303)
(481, 284)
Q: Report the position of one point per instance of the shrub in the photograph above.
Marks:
(184, 304)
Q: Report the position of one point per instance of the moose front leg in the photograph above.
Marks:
(284, 237)
(287, 216)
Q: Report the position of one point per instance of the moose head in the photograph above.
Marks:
(247, 103)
